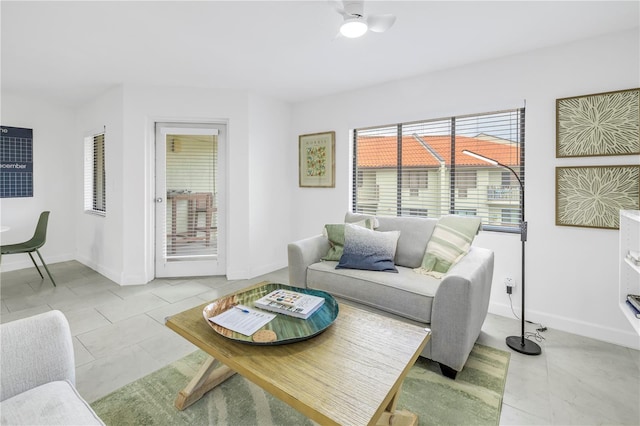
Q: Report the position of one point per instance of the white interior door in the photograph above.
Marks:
(189, 199)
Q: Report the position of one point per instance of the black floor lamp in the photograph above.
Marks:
(517, 343)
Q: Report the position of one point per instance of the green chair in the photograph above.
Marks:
(37, 241)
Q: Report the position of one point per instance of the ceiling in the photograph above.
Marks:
(69, 52)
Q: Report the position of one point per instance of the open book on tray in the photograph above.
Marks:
(291, 303)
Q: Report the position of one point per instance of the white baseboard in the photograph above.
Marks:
(14, 262)
(570, 325)
(112, 275)
(133, 280)
(266, 269)
(240, 274)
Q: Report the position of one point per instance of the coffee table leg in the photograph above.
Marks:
(210, 375)
(394, 417)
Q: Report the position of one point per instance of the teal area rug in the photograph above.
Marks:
(474, 398)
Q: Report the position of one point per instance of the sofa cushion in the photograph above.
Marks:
(335, 235)
(405, 294)
(450, 241)
(368, 249)
(54, 403)
(414, 235)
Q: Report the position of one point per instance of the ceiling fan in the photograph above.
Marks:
(357, 24)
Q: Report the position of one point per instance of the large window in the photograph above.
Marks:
(94, 175)
(419, 169)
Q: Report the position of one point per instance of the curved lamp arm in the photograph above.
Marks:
(523, 223)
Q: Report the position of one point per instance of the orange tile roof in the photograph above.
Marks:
(381, 151)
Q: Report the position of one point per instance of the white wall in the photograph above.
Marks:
(53, 189)
(143, 107)
(121, 244)
(257, 129)
(99, 239)
(271, 151)
(572, 273)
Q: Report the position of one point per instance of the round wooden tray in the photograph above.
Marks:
(287, 329)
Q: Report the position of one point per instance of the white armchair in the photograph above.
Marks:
(37, 374)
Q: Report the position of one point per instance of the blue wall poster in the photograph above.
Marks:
(16, 162)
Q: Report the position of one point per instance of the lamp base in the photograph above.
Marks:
(524, 346)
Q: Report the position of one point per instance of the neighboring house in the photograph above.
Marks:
(428, 178)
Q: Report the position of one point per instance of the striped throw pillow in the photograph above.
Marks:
(450, 241)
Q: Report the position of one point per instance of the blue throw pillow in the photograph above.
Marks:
(369, 250)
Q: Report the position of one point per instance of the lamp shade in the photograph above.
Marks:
(353, 27)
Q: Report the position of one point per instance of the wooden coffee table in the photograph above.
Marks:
(349, 374)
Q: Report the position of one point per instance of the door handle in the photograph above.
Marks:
(158, 200)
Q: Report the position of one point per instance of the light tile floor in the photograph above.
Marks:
(119, 336)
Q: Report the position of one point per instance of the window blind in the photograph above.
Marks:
(418, 168)
(191, 224)
(95, 174)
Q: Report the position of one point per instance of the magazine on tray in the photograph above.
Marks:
(291, 303)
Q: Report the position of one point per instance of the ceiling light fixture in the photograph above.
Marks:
(354, 27)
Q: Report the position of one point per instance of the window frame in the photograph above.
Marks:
(95, 194)
(514, 121)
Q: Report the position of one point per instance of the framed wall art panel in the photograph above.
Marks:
(598, 125)
(592, 196)
(317, 160)
(16, 162)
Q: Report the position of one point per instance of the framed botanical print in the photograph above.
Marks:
(592, 196)
(598, 125)
(317, 160)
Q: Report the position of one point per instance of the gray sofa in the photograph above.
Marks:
(38, 374)
(454, 307)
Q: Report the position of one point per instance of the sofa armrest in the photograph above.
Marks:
(35, 351)
(303, 253)
(460, 307)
